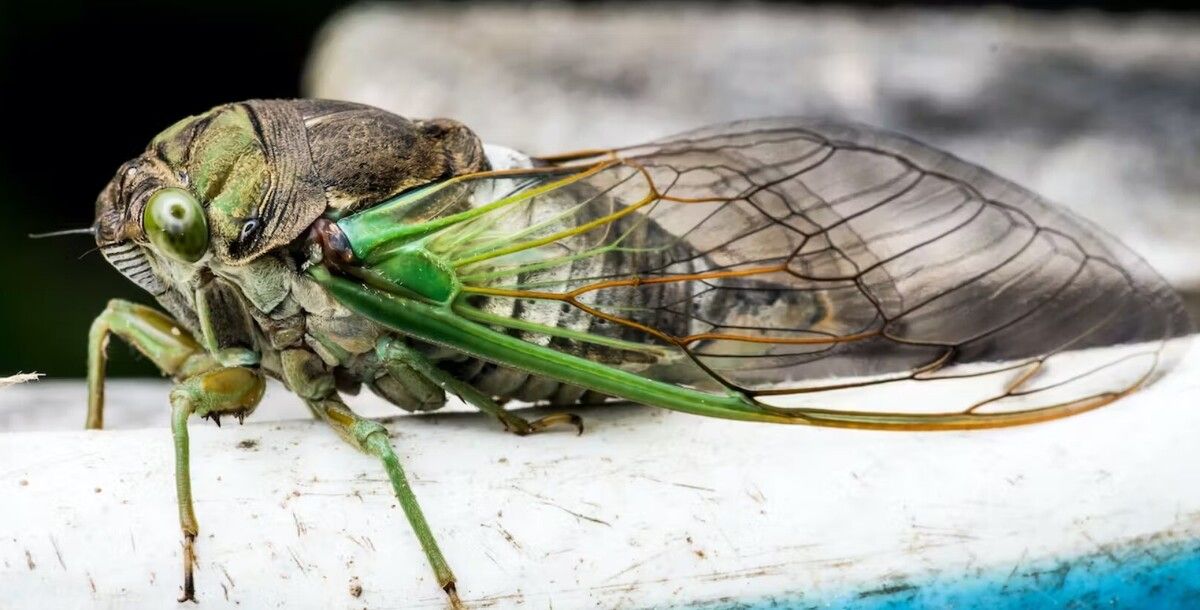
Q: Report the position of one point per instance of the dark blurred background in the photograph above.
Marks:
(83, 87)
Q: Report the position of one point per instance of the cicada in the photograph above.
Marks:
(743, 271)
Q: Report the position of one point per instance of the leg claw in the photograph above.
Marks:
(452, 592)
(555, 420)
(189, 560)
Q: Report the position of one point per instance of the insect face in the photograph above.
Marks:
(148, 225)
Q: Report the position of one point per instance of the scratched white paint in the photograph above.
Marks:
(646, 508)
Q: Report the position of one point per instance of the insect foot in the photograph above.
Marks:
(556, 419)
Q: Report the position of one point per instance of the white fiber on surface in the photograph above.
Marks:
(18, 378)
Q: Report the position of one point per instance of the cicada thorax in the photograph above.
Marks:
(264, 171)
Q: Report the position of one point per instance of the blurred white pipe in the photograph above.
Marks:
(1094, 111)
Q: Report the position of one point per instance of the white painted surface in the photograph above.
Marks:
(646, 508)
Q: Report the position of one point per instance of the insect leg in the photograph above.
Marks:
(158, 337)
(224, 391)
(372, 438)
(309, 378)
(391, 350)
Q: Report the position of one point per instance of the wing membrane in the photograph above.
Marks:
(782, 258)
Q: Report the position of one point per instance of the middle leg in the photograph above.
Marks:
(308, 377)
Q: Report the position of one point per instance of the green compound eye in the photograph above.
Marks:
(175, 224)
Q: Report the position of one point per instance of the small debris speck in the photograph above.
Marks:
(98, 490)
(249, 443)
(355, 587)
(24, 483)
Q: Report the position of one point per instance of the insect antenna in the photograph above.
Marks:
(80, 231)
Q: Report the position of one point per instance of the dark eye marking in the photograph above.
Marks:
(251, 227)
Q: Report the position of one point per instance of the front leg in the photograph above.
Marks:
(207, 389)
(164, 341)
(225, 391)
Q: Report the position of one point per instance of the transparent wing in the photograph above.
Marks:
(796, 261)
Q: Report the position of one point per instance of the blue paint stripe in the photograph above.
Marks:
(1140, 576)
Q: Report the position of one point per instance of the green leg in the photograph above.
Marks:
(371, 438)
(225, 391)
(161, 339)
(396, 352)
(308, 377)
(207, 390)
